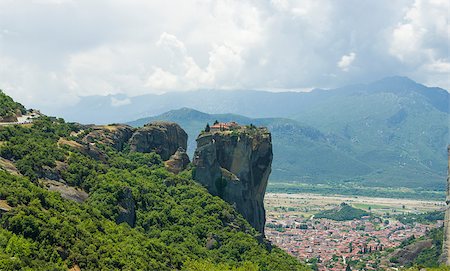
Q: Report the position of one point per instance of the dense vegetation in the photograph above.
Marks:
(424, 218)
(342, 213)
(179, 225)
(429, 257)
(8, 107)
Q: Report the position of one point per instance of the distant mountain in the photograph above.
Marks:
(121, 108)
(305, 154)
(393, 131)
(301, 153)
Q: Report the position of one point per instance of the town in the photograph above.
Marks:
(332, 245)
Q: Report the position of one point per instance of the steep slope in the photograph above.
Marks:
(137, 215)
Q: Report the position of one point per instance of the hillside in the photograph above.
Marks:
(9, 109)
(342, 213)
(72, 196)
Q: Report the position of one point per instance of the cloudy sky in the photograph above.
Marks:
(53, 51)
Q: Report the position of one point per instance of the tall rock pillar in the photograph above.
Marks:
(235, 164)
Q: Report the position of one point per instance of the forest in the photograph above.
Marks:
(179, 225)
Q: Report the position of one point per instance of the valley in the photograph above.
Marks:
(332, 245)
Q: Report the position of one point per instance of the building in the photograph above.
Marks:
(224, 126)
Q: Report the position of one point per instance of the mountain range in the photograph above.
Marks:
(392, 132)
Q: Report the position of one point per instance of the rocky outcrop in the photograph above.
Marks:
(127, 211)
(8, 119)
(235, 165)
(116, 135)
(8, 166)
(67, 192)
(445, 257)
(177, 162)
(164, 138)
(406, 255)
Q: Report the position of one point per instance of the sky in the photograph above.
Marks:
(54, 51)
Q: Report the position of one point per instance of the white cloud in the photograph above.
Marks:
(346, 61)
(65, 49)
(421, 38)
(162, 80)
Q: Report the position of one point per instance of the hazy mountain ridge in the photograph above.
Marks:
(304, 153)
(121, 108)
(391, 131)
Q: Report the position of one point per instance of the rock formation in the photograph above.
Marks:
(169, 140)
(163, 138)
(235, 165)
(115, 136)
(445, 257)
(178, 161)
(127, 210)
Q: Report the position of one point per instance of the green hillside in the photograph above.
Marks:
(342, 213)
(8, 107)
(179, 225)
(398, 127)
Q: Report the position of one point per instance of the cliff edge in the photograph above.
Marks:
(234, 163)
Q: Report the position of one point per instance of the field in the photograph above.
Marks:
(307, 205)
(352, 189)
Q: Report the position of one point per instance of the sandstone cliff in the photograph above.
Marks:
(235, 165)
(163, 138)
(445, 257)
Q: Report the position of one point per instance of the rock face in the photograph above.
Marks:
(115, 136)
(235, 165)
(178, 161)
(445, 257)
(163, 138)
(67, 192)
(127, 210)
